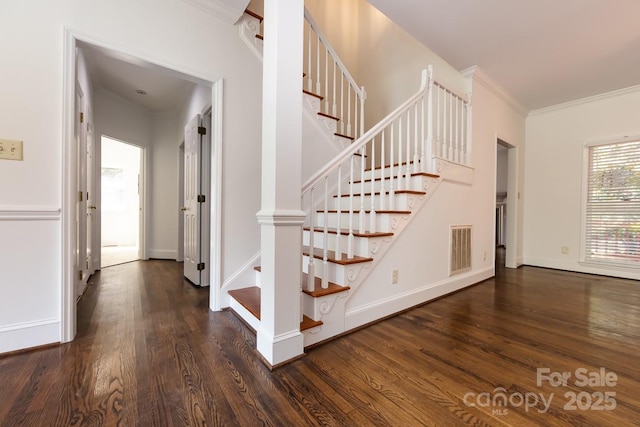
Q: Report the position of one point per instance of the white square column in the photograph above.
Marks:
(278, 337)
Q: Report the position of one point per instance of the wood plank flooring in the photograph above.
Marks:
(149, 353)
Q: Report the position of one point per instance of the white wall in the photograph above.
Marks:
(172, 33)
(379, 54)
(555, 141)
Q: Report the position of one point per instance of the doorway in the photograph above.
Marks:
(507, 196)
(121, 191)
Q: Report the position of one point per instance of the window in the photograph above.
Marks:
(612, 225)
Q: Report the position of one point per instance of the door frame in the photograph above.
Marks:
(513, 196)
(68, 309)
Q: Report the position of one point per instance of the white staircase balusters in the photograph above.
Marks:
(311, 266)
(427, 151)
(338, 245)
(468, 130)
(340, 92)
(362, 214)
(350, 239)
(383, 193)
(392, 191)
(325, 243)
(372, 213)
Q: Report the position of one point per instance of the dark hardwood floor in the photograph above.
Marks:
(149, 353)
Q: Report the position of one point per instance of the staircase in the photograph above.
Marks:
(362, 199)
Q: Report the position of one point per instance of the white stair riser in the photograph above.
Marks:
(344, 275)
(400, 202)
(319, 307)
(377, 173)
(384, 222)
(258, 278)
(361, 246)
(415, 183)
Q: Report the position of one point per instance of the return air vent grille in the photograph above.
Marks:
(460, 254)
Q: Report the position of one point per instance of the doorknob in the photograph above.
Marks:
(92, 207)
(184, 209)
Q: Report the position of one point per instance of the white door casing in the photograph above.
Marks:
(191, 207)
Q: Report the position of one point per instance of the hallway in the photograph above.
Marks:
(148, 352)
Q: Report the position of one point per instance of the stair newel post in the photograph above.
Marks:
(350, 239)
(427, 153)
(391, 176)
(325, 238)
(451, 136)
(342, 103)
(399, 178)
(326, 79)
(349, 109)
(309, 56)
(407, 168)
(438, 120)
(383, 193)
(312, 223)
(318, 87)
(362, 98)
(334, 108)
(416, 140)
(469, 130)
(456, 148)
(372, 214)
(445, 135)
(362, 213)
(338, 245)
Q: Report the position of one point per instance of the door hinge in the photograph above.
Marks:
(201, 198)
(81, 117)
(200, 266)
(80, 196)
(202, 130)
(79, 274)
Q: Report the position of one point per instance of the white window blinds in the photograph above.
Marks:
(612, 225)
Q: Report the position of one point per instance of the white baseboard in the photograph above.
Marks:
(243, 277)
(582, 268)
(162, 253)
(21, 336)
(371, 312)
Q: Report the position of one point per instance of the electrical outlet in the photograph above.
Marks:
(565, 250)
(394, 277)
(10, 150)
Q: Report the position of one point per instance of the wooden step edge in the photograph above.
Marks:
(258, 268)
(417, 192)
(345, 232)
(308, 323)
(328, 116)
(318, 290)
(320, 97)
(260, 37)
(427, 174)
(379, 212)
(341, 135)
(249, 298)
(255, 15)
(331, 257)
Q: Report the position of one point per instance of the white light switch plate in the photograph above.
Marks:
(10, 150)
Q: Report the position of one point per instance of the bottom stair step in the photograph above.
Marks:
(249, 298)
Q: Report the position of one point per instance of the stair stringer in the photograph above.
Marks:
(249, 27)
(331, 308)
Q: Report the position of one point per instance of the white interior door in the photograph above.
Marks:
(81, 180)
(91, 200)
(191, 207)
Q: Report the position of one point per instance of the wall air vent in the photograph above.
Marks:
(460, 249)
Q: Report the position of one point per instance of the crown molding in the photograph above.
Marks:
(587, 100)
(227, 10)
(477, 74)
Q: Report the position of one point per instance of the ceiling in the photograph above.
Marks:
(124, 75)
(543, 52)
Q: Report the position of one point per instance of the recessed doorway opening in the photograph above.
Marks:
(121, 190)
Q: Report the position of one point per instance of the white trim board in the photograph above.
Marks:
(29, 334)
(19, 213)
(587, 100)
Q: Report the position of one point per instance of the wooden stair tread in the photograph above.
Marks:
(318, 290)
(255, 15)
(378, 212)
(344, 136)
(258, 268)
(259, 36)
(427, 174)
(249, 298)
(331, 257)
(345, 232)
(328, 116)
(386, 192)
(308, 323)
(320, 97)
